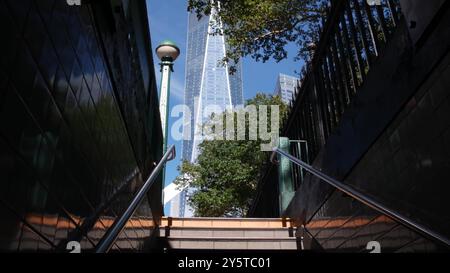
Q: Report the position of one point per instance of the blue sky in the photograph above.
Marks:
(168, 20)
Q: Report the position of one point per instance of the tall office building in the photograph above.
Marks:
(207, 83)
(285, 87)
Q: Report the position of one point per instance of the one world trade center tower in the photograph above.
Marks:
(208, 83)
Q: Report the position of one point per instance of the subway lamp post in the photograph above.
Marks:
(167, 52)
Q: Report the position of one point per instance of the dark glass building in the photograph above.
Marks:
(79, 124)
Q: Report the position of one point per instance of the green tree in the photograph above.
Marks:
(226, 173)
(262, 28)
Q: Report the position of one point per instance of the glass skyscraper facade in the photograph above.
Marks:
(285, 87)
(208, 83)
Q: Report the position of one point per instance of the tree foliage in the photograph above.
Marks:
(262, 28)
(224, 178)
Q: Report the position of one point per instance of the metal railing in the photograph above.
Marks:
(367, 200)
(113, 232)
(299, 148)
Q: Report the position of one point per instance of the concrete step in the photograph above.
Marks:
(234, 243)
(229, 233)
(241, 232)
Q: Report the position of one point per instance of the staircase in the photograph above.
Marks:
(228, 234)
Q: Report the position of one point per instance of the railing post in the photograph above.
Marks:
(317, 100)
(286, 185)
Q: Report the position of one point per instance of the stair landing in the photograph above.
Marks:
(227, 222)
(229, 233)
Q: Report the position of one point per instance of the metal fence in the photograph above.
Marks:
(353, 35)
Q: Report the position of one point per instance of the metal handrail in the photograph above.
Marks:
(111, 235)
(364, 198)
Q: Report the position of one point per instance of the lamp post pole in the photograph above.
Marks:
(167, 52)
(166, 69)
